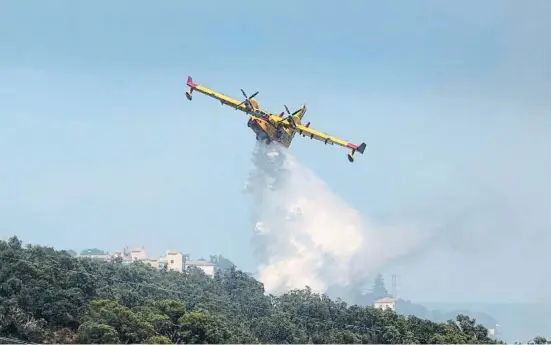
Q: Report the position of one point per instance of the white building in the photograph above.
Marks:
(385, 303)
(153, 261)
(138, 254)
(207, 267)
(104, 257)
(174, 260)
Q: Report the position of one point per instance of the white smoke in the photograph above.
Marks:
(306, 235)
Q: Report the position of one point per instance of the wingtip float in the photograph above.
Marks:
(271, 127)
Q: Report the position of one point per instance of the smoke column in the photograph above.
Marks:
(305, 235)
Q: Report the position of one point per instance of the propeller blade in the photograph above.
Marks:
(247, 98)
(287, 109)
(246, 101)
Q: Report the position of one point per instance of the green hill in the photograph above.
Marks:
(49, 296)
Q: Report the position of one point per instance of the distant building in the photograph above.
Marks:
(494, 331)
(124, 256)
(174, 260)
(385, 303)
(207, 267)
(138, 254)
(153, 261)
(96, 254)
(103, 257)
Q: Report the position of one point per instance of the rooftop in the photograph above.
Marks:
(199, 263)
(385, 300)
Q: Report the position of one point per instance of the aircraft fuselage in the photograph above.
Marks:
(268, 131)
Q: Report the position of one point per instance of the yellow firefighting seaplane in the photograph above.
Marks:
(270, 127)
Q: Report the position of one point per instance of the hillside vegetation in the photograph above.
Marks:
(49, 296)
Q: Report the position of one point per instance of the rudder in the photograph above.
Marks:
(299, 114)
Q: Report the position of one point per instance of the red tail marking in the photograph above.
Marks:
(307, 125)
(190, 82)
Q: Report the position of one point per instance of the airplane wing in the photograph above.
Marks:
(328, 139)
(216, 95)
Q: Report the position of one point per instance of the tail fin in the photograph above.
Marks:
(299, 114)
(361, 148)
(191, 85)
(190, 82)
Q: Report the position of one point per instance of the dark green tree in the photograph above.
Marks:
(49, 296)
(93, 251)
(541, 340)
(379, 289)
(221, 263)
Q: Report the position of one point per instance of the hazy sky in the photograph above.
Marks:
(100, 147)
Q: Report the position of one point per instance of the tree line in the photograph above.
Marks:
(51, 296)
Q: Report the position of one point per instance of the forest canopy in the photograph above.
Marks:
(51, 296)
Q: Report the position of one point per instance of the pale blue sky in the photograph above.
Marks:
(100, 147)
